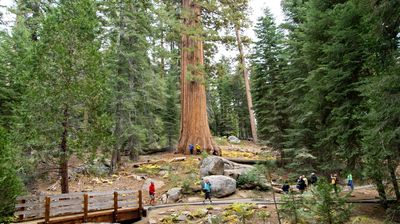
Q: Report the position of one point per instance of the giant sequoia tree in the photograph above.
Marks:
(194, 120)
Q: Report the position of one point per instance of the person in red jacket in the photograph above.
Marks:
(152, 193)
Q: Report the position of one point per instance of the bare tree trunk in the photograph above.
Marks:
(194, 119)
(116, 154)
(247, 85)
(381, 191)
(63, 154)
(392, 172)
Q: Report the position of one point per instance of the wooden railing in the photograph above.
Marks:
(81, 204)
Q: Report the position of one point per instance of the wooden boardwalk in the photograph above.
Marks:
(111, 207)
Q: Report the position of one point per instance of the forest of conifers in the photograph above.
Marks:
(97, 78)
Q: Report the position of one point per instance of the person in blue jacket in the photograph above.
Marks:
(207, 190)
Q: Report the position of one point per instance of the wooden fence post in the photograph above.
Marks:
(140, 203)
(115, 206)
(47, 210)
(85, 207)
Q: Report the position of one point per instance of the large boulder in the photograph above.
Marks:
(212, 165)
(234, 170)
(233, 139)
(221, 186)
(174, 194)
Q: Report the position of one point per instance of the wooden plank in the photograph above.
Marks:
(30, 197)
(99, 200)
(128, 195)
(30, 213)
(108, 196)
(85, 207)
(47, 210)
(67, 196)
(30, 204)
(100, 193)
(55, 204)
(126, 192)
(128, 204)
(105, 198)
(63, 211)
(108, 205)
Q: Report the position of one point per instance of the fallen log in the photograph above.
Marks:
(247, 161)
(138, 164)
(156, 150)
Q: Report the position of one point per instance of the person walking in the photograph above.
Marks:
(152, 193)
(301, 185)
(207, 190)
(350, 182)
(334, 182)
(286, 188)
(313, 179)
(305, 182)
(191, 148)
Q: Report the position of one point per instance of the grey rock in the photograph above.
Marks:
(174, 194)
(212, 165)
(181, 218)
(152, 221)
(234, 173)
(221, 186)
(233, 139)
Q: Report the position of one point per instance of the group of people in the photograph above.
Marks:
(192, 149)
(205, 187)
(335, 181)
(303, 183)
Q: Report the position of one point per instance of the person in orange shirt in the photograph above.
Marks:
(152, 193)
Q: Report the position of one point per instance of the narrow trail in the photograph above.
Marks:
(268, 201)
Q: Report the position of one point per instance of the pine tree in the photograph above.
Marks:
(380, 127)
(60, 108)
(268, 83)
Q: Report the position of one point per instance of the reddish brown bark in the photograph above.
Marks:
(194, 120)
(64, 157)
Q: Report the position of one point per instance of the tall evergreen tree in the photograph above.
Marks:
(65, 86)
(268, 83)
(380, 129)
(137, 98)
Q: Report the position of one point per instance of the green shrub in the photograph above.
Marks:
(263, 215)
(252, 179)
(243, 211)
(204, 154)
(327, 206)
(290, 208)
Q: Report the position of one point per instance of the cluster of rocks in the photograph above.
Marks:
(214, 165)
(222, 174)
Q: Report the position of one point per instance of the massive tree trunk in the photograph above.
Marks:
(194, 120)
(247, 85)
(63, 154)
